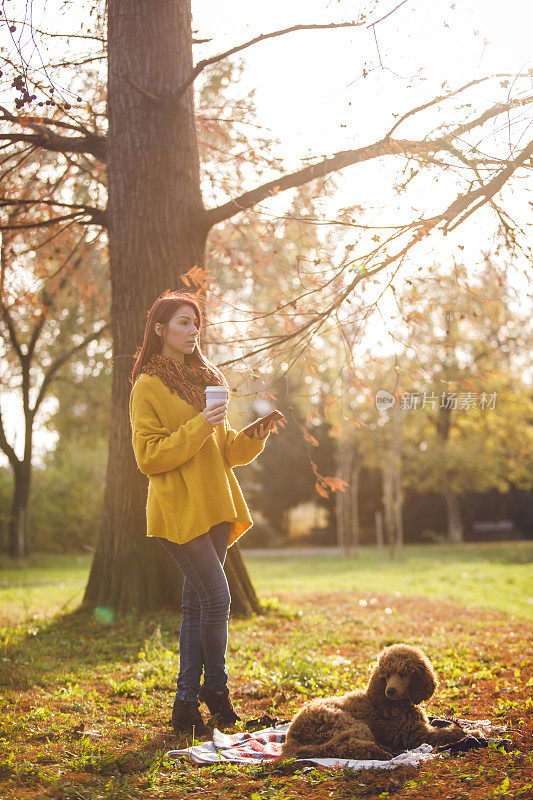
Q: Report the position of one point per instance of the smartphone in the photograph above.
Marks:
(274, 415)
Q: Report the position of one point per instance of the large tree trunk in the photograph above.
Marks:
(455, 523)
(397, 484)
(356, 539)
(18, 520)
(388, 505)
(157, 232)
(342, 498)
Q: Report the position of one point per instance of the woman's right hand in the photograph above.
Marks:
(215, 413)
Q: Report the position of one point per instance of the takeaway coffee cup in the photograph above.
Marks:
(214, 394)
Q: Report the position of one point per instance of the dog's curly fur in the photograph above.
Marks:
(375, 723)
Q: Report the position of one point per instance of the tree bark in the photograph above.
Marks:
(339, 514)
(342, 498)
(355, 508)
(379, 533)
(18, 530)
(388, 505)
(455, 523)
(157, 232)
(244, 600)
(18, 521)
(397, 483)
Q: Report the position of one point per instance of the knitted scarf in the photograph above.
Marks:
(188, 380)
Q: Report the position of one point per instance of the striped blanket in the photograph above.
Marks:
(265, 745)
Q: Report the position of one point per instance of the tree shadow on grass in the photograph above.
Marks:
(42, 653)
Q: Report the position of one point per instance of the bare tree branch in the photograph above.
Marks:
(421, 229)
(62, 359)
(45, 223)
(386, 146)
(11, 330)
(485, 192)
(20, 155)
(79, 63)
(37, 201)
(372, 24)
(6, 447)
(96, 146)
(40, 121)
(214, 59)
(448, 95)
(25, 362)
(58, 35)
(96, 216)
(48, 139)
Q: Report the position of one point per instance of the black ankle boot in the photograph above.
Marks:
(219, 705)
(186, 718)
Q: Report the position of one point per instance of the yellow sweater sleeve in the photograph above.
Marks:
(156, 448)
(241, 449)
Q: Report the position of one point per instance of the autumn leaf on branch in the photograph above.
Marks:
(308, 437)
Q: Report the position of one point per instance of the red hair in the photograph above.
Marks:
(162, 311)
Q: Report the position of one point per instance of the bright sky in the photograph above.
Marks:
(305, 80)
(310, 93)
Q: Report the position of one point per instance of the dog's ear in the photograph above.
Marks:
(375, 691)
(422, 684)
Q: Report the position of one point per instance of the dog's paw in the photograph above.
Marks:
(477, 733)
(457, 732)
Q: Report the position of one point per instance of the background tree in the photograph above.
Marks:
(469, 342)
(67, 496)
(462, 340)
(50, 312)
(284, 477)
(373, 452)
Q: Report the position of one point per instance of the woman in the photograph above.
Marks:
(195, 507)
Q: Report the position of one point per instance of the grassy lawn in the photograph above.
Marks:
(496, 576)
(85, 705)
(492, 575)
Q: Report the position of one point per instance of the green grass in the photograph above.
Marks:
(495, 575)
(42, 585)
(84, 705)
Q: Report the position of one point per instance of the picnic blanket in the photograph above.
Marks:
(247, 747)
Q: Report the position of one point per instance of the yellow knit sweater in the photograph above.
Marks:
(189, 464)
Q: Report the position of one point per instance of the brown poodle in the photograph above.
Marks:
(377, 722)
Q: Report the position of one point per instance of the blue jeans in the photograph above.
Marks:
(205, 603)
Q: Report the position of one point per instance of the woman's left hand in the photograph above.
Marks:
(264, 429)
